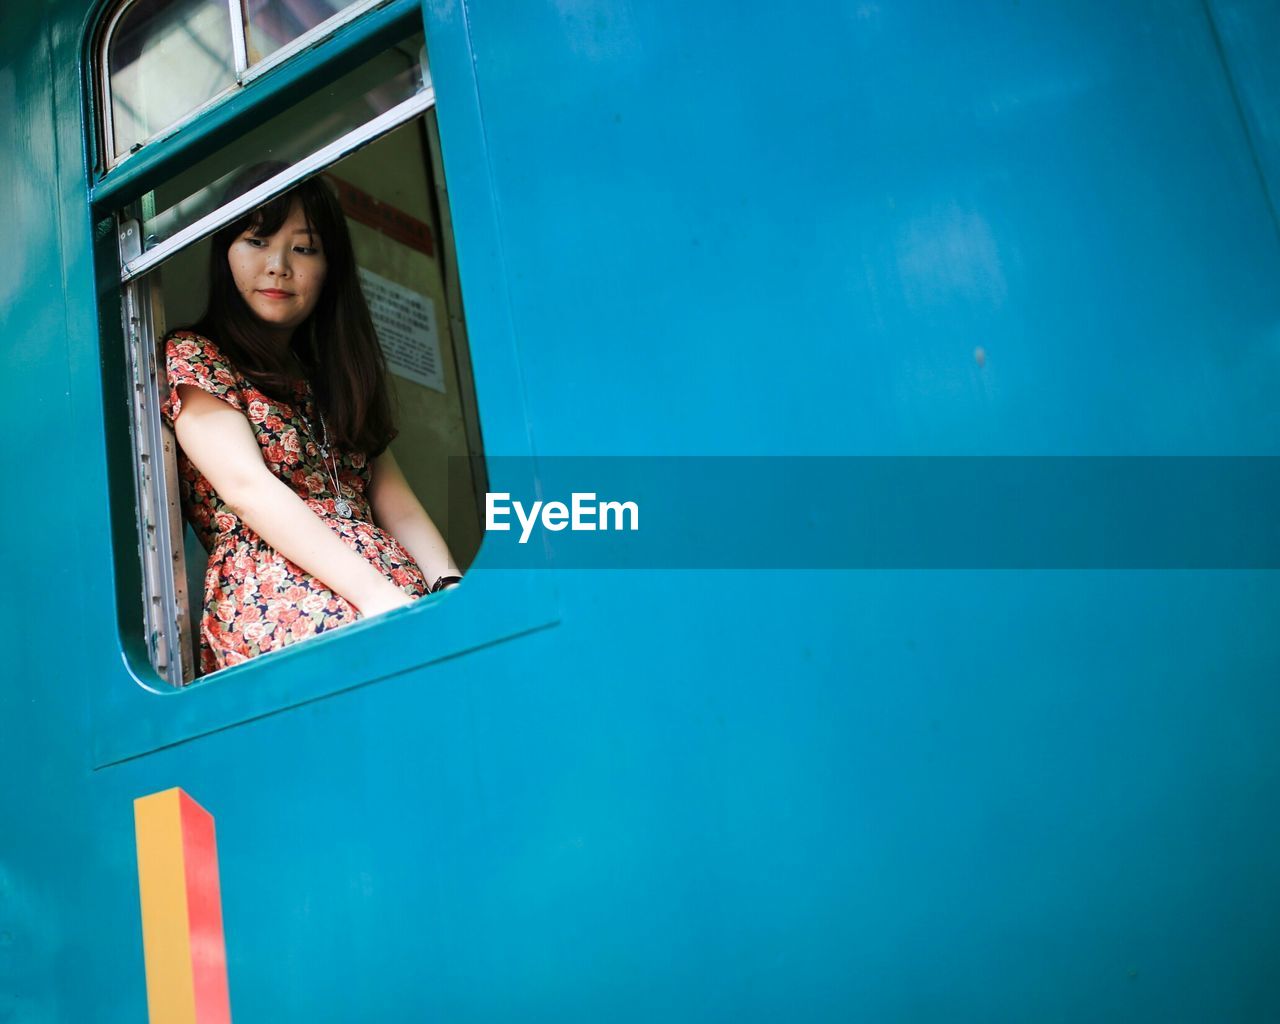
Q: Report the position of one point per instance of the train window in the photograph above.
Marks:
(371, 136)
(163, 61)
(271, 25)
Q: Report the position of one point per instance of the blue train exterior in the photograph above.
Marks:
(712, 229)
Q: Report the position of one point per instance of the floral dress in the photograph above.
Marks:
(255, 599)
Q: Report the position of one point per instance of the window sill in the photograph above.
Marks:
(490, 607)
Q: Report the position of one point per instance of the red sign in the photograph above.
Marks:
(383, 217)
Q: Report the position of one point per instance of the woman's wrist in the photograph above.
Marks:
(444, 583)
(386, 597)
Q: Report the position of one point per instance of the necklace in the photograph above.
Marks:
(340, 503)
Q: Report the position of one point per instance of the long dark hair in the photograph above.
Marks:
(336, 344)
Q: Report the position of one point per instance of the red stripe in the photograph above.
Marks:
(204, 914)
(391, 221)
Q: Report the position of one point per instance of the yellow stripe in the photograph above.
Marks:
(166, 936)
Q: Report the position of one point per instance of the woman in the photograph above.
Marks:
(278, 399)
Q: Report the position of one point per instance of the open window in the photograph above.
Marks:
(360, 111)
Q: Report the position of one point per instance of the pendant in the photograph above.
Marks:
(342, 507)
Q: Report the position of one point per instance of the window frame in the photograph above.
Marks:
(140, 713)
(244, 72)
(186, 142)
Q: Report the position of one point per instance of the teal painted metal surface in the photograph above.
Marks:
(1246, 31)
(703, 229)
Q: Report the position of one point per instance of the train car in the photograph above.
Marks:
(807, 737)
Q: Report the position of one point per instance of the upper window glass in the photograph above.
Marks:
(306, 127)
(167, 59)
(273, 24)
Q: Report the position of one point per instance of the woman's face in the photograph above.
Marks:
(280, 276)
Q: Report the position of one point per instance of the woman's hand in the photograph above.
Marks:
(381, 602)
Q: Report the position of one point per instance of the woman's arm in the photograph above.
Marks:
(219, 441)
(398, 511)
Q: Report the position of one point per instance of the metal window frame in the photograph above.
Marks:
(239, 45)
(160, 523)
(346, 144)
(244, 73)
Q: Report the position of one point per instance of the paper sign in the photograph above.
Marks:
(406, 326)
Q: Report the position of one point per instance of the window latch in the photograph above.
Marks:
(129, 238)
